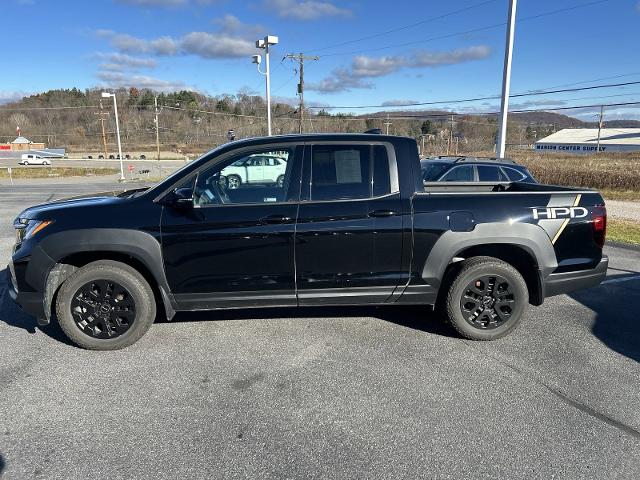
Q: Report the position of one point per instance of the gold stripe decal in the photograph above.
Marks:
(566, 222)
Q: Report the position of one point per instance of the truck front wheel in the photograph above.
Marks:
(486, 299)
(105, 305)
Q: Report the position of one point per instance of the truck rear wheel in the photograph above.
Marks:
(105, 305)
(486, 299)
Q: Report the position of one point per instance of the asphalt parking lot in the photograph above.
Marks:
(316, 393)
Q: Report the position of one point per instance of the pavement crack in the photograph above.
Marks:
(563, 397)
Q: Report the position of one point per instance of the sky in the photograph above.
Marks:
(371, 52)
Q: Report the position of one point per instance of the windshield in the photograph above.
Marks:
(175, 175)
(431, 171)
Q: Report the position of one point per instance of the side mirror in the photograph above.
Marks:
(181, 198)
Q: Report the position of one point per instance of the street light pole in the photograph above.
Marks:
(506, 80)
(115, 108)
(264, 44)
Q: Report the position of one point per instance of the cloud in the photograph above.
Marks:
(155, 3)
(119, 61)
(113, 79)
(9, 96)
(166, 3)
(306, 9)
(231, 25)
(398, 103)
(363, 67)
(231, 41)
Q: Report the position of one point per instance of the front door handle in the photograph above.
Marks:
(382, 213)
(275, 219)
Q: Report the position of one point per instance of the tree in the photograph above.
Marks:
(427, 127)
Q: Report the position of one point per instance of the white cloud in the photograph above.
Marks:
(231, 25)
(113, 79)
(232, 40)
(398, 103)
(9, 96)
(118, 61)
(209, 45)
(167, 3)
(155, 3)
(363, 67)
(306, 9)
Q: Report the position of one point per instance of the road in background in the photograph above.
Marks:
(326, 393)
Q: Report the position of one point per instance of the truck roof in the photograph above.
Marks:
(360, 137)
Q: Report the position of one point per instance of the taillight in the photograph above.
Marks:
(599, 222)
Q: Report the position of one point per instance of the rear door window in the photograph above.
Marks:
(489, 173)
(463, 173)
(343, 172)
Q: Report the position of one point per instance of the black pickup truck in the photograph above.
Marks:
(352, 223)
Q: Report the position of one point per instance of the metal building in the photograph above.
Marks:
(585, 140)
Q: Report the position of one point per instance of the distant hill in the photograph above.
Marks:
(558, 120)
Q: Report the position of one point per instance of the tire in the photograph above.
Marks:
(129, 291)
(486, 299)
(233, 182)
(280, 181)
(47, 163)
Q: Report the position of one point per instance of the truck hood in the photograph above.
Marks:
(43, 210)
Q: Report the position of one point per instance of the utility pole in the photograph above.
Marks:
(102, 116)
(300, 58)
(600, 127)
(506, 80)
(387, 124)
(450, 145)
(155, 102)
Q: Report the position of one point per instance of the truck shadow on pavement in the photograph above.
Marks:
(617, 322)
(415, 317)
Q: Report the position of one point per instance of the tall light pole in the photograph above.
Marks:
(115, 108)
(264, 44)
(506, 80)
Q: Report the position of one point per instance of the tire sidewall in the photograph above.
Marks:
(130, 279)
(466, 276)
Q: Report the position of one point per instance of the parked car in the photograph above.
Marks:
(352, 223)
(264, 169)
(473, 169)
(32, 159)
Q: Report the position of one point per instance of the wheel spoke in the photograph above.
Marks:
(488, 302)
(103, 309)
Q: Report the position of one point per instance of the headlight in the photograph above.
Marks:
(26, 228)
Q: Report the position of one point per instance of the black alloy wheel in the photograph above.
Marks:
(488, 302)
(484, 298)
(103, 309)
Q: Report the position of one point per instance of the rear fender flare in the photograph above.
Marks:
(530, 237)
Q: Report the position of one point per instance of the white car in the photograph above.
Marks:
(31, 159)
(262, 168)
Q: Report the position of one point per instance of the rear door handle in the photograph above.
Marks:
(275, 219)
(382, 213)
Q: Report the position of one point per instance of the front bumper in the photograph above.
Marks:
(559, 283)
(31, 303)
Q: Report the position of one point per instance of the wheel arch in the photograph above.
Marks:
(525, 246)
(71, 250)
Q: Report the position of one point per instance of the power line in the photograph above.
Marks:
(466, 32)
(404, 27)
(45, 108)
(492, 97)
